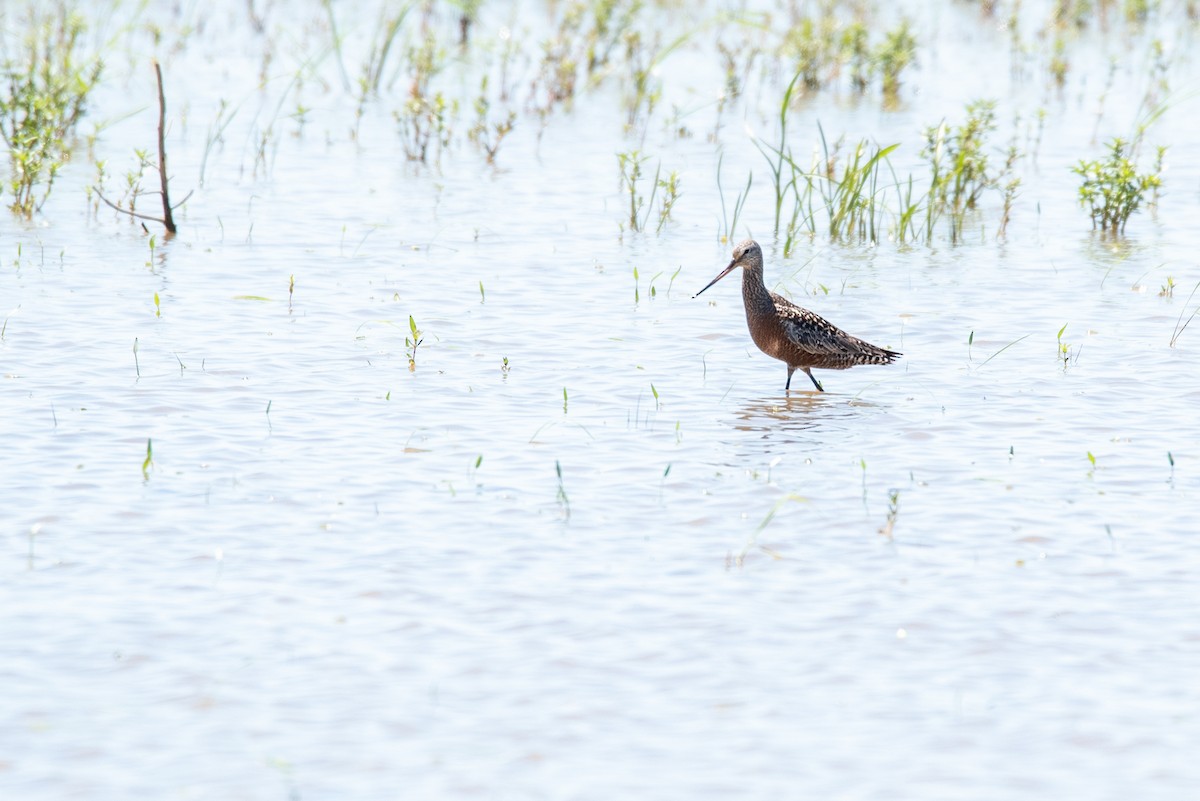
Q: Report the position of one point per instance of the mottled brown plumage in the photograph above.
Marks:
(794, 335)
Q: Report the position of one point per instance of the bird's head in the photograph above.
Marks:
(748, 254)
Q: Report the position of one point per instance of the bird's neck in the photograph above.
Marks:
(754, 292)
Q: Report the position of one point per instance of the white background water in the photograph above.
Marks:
(342, 579)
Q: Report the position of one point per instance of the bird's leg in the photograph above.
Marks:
(816, 383)
(788, 385)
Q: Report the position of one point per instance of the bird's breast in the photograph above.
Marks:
(767, 334)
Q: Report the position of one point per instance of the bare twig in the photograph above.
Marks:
(168, 220)
(136, 214)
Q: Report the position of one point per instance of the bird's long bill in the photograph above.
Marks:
(724, 273)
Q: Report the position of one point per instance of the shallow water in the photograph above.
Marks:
(628, 565)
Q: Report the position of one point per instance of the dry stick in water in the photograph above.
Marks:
(168, 219)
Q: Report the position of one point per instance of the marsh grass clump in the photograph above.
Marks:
(631, 176)
(824, 47)
(1009, 181)
(811, 43)
(603, 25)
(426, 118)
(584, 41)
(1112, 187)
(846, 188)
(838, 195)
(643, 56)
(892, 56)
(486, 133)
(670, 187)
(557, 75)
(47, 84)
(424, 123)
(1059, 64)
(959, 169)
(641, 207)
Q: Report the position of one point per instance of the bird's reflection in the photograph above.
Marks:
(798, 411)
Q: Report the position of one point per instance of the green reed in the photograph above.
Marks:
(841, 196)
(849, 190)
(778, 156)
(729, 226)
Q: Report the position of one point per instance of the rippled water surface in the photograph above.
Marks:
(588, 548)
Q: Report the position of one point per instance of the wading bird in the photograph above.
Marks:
(781, 329)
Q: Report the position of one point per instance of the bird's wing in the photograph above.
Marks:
(826, 344)
(809, 331)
